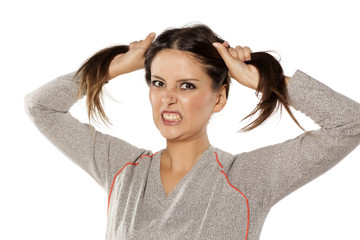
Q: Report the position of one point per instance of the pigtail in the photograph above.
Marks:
(93, 76)
(272, 87)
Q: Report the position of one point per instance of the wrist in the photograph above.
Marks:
(287, 80)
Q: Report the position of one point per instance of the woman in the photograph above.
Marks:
(191, 189)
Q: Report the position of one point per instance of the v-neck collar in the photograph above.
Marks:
(159, 190)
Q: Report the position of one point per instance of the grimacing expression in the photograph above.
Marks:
(182, 96)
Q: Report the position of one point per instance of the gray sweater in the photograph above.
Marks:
(223, 196)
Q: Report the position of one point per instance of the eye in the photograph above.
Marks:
(157, 83)
(187, 85)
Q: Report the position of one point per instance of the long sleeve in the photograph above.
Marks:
(275, 171)
(100, 155)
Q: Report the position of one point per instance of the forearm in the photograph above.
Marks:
(322, 104)
(57, 95)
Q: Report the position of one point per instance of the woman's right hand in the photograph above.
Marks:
(132, 60)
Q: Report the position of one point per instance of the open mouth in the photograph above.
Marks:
(171, 118)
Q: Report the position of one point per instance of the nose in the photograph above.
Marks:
(169, 97)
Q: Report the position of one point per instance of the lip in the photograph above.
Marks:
(170, 123)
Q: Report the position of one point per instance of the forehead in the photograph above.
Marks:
(173, 63)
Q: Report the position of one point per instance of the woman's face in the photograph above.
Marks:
(181, 96)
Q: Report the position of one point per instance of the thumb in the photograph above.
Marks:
(148, 40)
(224, 53)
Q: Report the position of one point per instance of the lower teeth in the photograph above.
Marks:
(172, 120)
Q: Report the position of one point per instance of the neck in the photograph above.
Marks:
(182, 156)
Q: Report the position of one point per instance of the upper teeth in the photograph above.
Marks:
(171, 116)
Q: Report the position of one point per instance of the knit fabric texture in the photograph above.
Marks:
(224, 196)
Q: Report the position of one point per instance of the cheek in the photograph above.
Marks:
(154, 99)
(200, 104)
(151, 97)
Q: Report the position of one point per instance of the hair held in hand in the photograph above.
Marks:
(196, 40)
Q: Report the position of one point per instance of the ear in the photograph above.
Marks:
(220, 99)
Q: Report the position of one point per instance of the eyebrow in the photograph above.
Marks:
(179, 80)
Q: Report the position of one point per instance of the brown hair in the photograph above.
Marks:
(196, 40)
(93, 76)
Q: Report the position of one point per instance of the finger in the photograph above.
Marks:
(233, 53)
(132, 44)
(146, 43)
(226, 44)
(223, 52)
(247, 53)
(240, 52)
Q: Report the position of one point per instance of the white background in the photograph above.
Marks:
(46, 196)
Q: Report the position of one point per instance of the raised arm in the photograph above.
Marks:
(279, 169)
(274, 171)
(99, 154)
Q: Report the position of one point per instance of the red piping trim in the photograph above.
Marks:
(148, 155)
(247, 202)
(217, 159)
(129, 163)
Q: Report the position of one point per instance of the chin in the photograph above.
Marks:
(170, 132)
(171, 135)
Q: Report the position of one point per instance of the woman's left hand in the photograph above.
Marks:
(234, 58)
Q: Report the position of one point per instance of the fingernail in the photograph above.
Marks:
(152, 34)
(215, 44)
